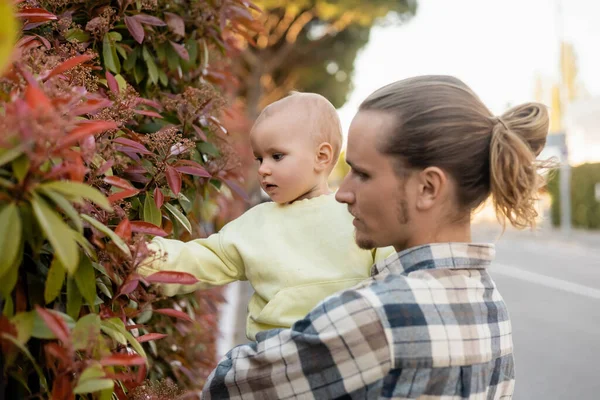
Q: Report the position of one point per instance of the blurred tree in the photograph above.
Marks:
(310, 45)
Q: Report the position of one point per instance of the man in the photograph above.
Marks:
(430, 322)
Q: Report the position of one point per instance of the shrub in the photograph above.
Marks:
(111, 132)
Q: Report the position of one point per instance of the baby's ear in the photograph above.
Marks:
(324, 156)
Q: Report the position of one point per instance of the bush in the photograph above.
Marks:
(585, 209)
(111, 132)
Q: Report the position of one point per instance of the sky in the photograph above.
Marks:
(496, 46)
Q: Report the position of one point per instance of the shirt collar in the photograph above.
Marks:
(436, 256)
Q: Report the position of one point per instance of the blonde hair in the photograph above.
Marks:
(322, 120)
(441, 122)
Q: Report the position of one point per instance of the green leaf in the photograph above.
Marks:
(94, 371)
(85, 277)
(180, 217)
(163, 78)
(152, 68)
(9, 308)
(115, 36)
(20, 166)
(93, 385)
(109, 327)
(86, 331)
(76, 192)
(10, 237)
(111, 60)
(173, 59)
(9, 279)
(28, 354)
(117, 324)
(66, 206)
(121, 82)
(139, 73)
(103, 288)
(151, 213)
(131, 60)
(87, 246)
(54, 280)
(108, 232)
(7, 155)
(23, 321)
(161, 53)
(77, 35)
(121, 51)
(208, 148)
(74, 299)
(57, 232)
(41, 330)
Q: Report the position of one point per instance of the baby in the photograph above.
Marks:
(296, 250)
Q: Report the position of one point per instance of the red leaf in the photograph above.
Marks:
(112, 83)
(147, 227)
(149, 20)
(124, 229)
(35, 98)
(181, 50)
(138, 147)
(237, 189)
(122, 195)
(174, 313)
(150, 103)
(135, 28)
(91, 106)
(159, 198)
(123, 359)
(197, 171)
(83, 130)
(55, 323)
(36, 15)
(176, 23)
(68, 64)
(130, 284)
(173, 179)
(118, 182)
(150, 336)
(182, 278)
(200, 133)
(148, 113)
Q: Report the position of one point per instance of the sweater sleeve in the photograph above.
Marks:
(214, 261)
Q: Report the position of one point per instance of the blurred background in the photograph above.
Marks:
(509, 52)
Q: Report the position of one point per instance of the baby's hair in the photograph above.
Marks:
(322, 119)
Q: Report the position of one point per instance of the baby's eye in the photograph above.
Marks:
(277, 156)
(259, 159)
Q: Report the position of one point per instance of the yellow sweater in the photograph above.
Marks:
(293, 256)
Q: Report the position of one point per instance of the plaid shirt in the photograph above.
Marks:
(429, 324)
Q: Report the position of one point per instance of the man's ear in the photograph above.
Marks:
(323, 156)
(432, 188)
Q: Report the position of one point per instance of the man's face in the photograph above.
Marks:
(286, 157)
(375, 195)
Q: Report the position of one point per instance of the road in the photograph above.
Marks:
(551, 284)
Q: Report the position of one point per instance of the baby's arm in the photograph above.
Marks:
(212, 261)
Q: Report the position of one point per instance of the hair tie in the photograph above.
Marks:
(498, 120)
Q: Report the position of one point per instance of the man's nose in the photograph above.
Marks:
(344, 194)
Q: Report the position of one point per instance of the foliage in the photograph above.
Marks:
(310, 45)
(110, 133)
(585, 209)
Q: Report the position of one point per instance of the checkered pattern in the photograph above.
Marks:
(429, 324)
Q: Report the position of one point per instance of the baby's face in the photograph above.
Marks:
(286, 157)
